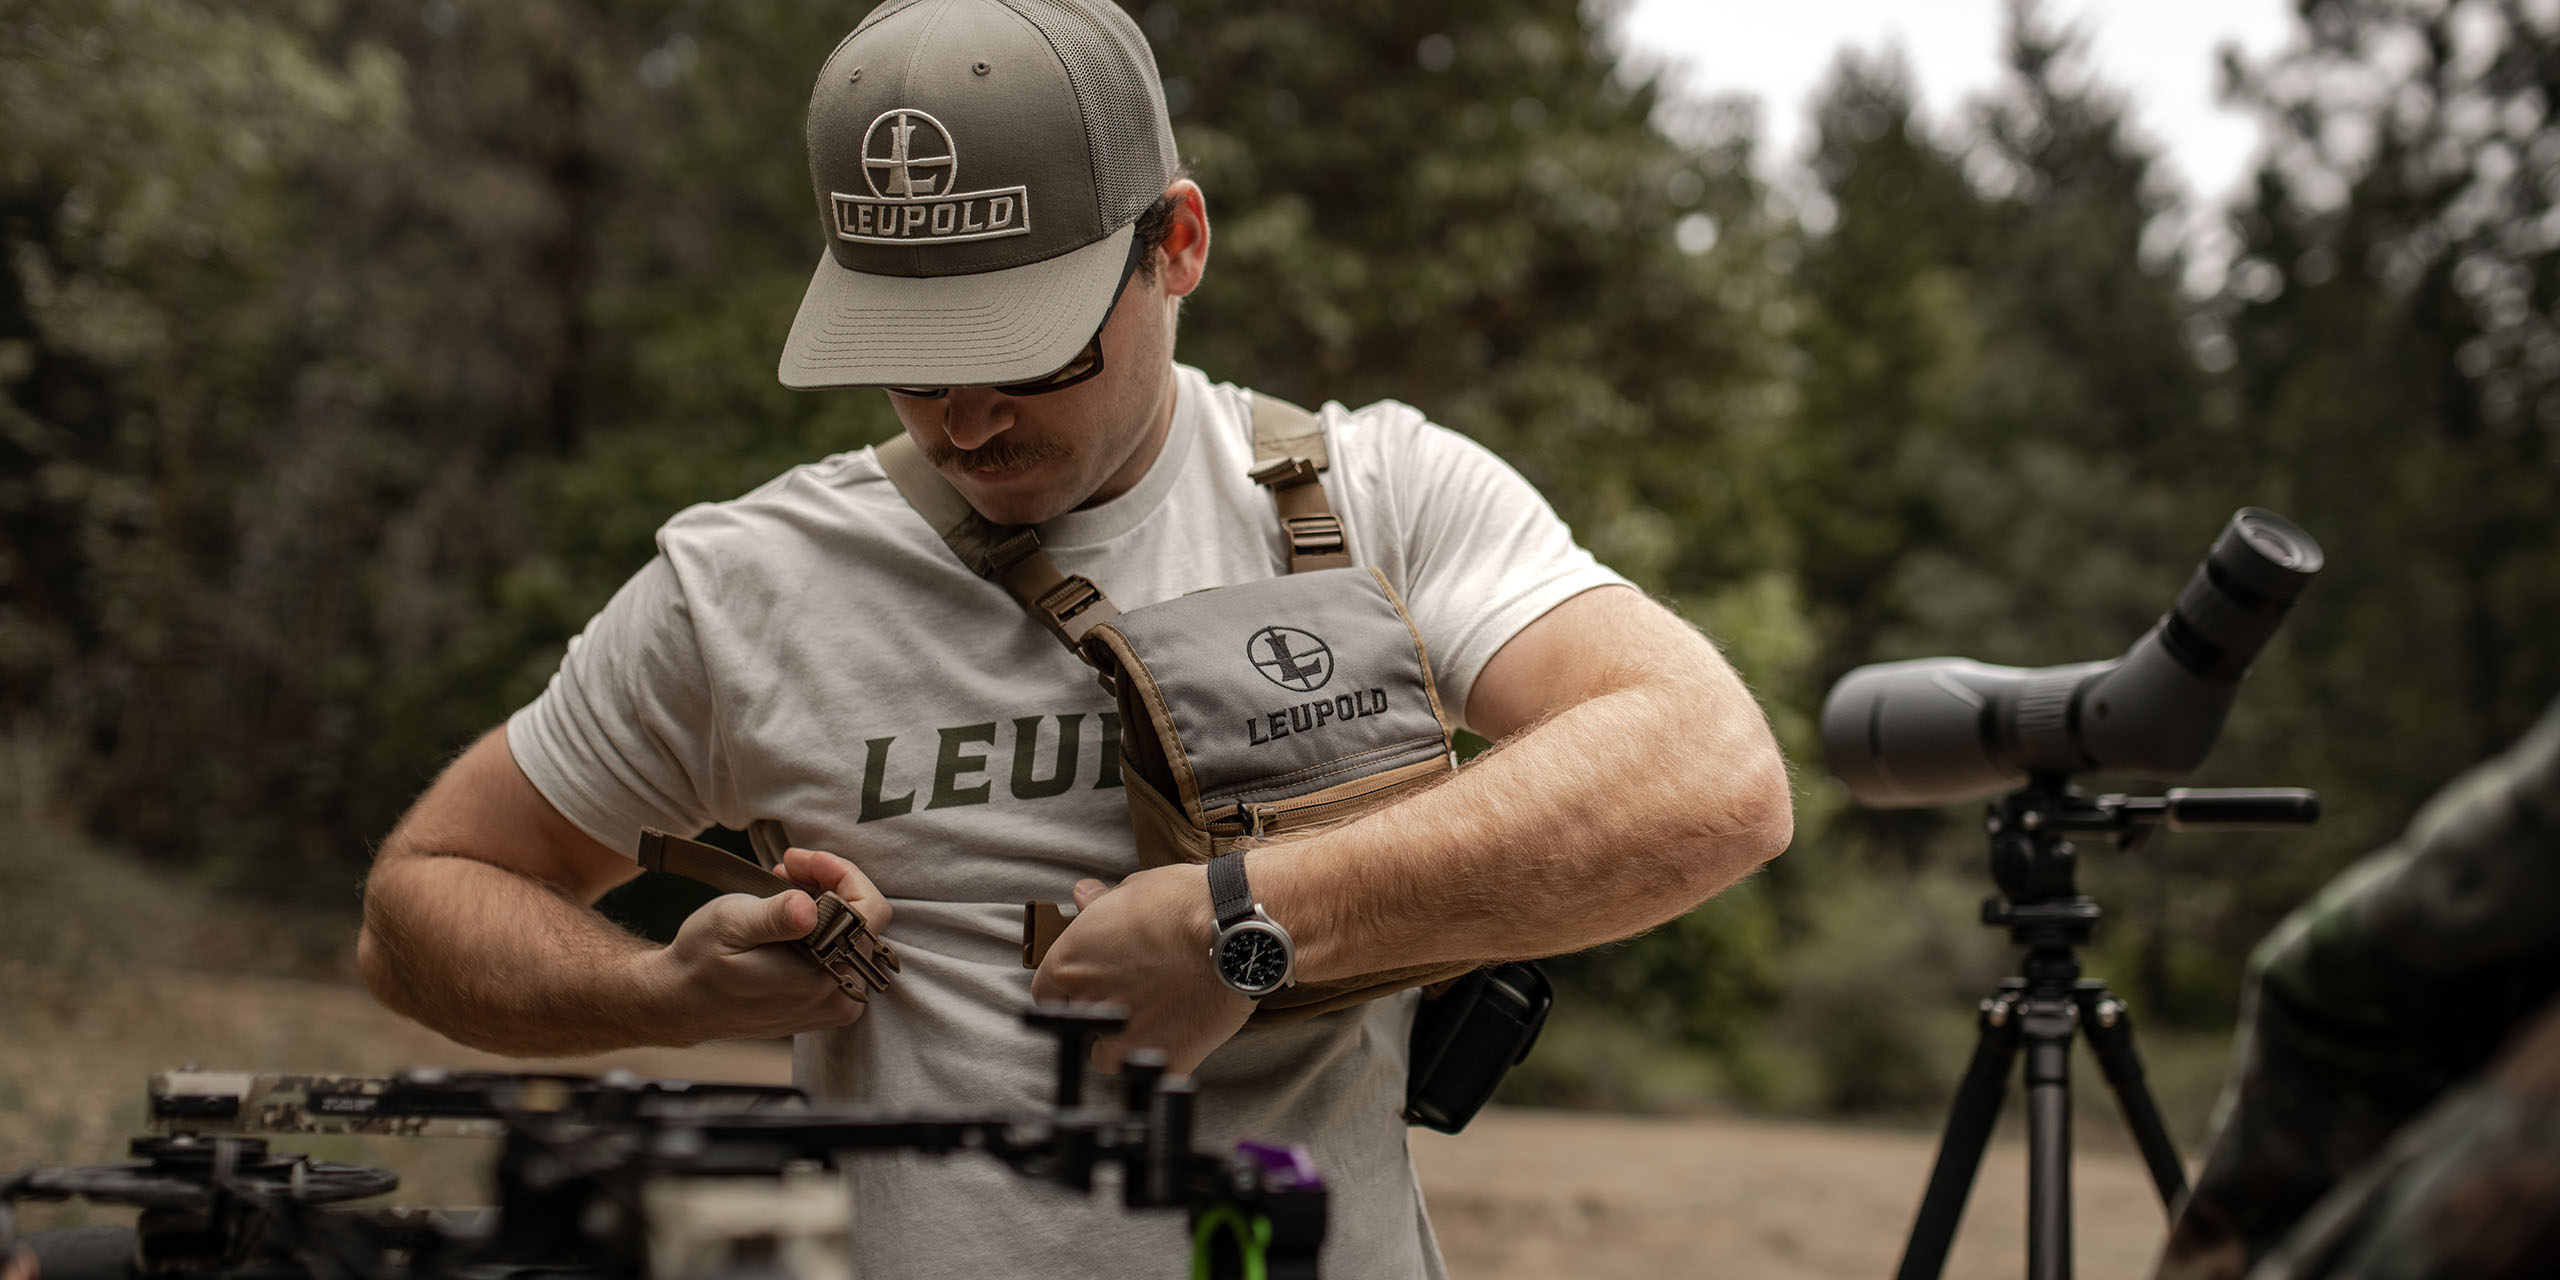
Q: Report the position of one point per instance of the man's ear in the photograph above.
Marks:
(1186, 240)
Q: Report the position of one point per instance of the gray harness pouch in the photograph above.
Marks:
(1268, 709)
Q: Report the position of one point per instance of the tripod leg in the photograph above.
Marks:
(1969, 1122)
(2110, 1028)
(2047, 1027)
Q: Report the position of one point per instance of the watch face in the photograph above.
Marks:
(1253, 960)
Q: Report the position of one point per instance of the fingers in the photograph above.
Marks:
(744, 921)
(1109, 1052)
(822, 872)
(1087, 891)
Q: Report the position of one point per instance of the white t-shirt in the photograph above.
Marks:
(813, 653)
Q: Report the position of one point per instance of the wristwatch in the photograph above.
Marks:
(1252, 953)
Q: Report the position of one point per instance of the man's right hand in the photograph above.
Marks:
(480, 923)
(731, 963)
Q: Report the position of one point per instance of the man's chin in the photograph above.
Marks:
(1014, 497)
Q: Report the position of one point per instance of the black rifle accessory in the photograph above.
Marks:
(618, 1178)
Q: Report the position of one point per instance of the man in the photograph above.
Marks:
(1009, 242)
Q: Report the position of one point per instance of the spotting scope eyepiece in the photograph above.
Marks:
(1933, 731)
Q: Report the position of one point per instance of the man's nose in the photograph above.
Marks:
(974, 415)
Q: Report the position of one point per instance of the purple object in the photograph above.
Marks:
(1284, 1168)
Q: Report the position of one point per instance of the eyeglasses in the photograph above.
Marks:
(1086, 365)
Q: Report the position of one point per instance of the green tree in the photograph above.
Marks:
(1470, 208)
(2397, 388)
(1998, 399)
(164, 435)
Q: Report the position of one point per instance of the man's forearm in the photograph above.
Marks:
(504, 963)
(1612, 816)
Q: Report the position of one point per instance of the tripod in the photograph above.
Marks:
(2040, 905)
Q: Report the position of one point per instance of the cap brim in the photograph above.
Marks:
(1014, 325)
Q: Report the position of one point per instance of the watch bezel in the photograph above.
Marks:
(1258, 922)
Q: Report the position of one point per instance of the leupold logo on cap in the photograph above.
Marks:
(913, 169)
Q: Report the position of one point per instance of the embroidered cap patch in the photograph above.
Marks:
(913, 170)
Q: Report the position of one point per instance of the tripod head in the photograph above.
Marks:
(2036, 865)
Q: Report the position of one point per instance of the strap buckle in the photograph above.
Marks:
(1072, 608)
(1319, 534)
(845, 947)
(1282, 473)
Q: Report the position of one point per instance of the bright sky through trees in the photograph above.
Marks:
(2160, 51)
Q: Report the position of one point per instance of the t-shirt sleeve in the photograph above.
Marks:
(626, 737)
(1481, 554)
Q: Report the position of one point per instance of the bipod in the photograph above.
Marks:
(2048, 1003)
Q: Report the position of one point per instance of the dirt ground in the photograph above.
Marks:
(1520, 1194)
(1527, 1194)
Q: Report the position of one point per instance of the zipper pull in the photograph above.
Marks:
(1254, 816)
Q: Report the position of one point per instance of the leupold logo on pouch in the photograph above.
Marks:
(913, 169)
(1290, 658)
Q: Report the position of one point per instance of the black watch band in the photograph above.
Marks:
(1229, 896)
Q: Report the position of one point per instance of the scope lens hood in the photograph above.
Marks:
(2266, 554)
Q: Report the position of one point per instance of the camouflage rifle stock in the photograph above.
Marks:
(419, 1103)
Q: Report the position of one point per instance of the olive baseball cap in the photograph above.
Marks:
(980, 167)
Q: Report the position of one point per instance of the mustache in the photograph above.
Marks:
(999, 454)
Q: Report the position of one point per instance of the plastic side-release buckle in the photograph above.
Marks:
(1073, 608)
(1315, 535)
(843, 945)
(1042, 922)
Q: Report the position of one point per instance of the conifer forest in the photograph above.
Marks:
(351, 351)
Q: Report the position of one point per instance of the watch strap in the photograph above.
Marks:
(1229, 896)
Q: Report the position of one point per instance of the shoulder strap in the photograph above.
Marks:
(1068, 605)
(1289, 460)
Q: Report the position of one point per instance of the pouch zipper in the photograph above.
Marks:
(1265, 817)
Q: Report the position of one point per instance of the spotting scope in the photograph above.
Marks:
(1932, 731)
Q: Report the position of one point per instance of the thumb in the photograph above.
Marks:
(780, 918)
(1087, 891)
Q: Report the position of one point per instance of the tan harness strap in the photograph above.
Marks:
(1068, 605)
(841, 943)
(1289, 459)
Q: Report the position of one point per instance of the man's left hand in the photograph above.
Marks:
(1145, 946)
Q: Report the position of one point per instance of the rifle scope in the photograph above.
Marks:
(1933, 731)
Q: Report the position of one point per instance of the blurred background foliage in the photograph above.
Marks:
(352, 353)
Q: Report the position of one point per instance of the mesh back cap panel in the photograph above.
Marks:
(1114, 72)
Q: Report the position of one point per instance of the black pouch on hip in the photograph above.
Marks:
(1466, 1037)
